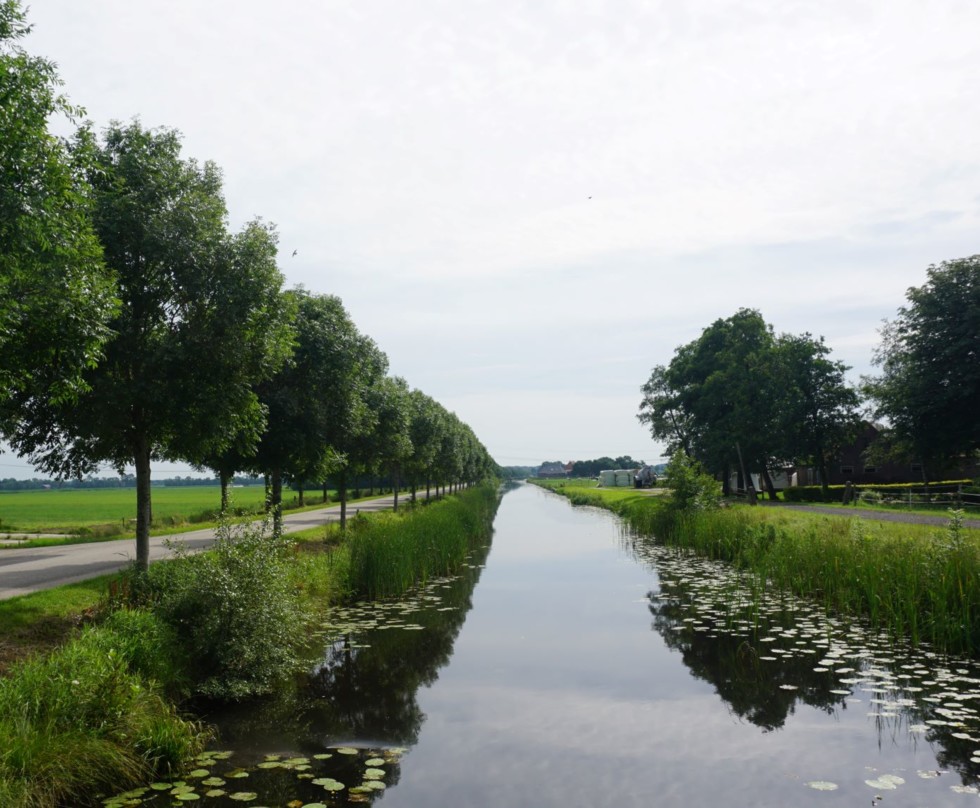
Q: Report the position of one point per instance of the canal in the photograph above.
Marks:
(572, 664)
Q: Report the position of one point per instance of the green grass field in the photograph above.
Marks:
(63, 511)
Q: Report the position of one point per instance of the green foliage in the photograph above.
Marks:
(56, 296)
(201, 320)
(234, 609)
(691, 488)
(739, 394)
(91, 716)
(930, 380)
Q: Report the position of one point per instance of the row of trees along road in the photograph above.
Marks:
(741, 397)
(134, 326)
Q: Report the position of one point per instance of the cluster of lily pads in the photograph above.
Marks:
(911, 691)
(344, 773)
(366, 771)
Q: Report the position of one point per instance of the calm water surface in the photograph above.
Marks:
(573, 665)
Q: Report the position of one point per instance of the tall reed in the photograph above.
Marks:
(391, 553)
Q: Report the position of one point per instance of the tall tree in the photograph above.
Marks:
(817, 410)
(424, 417)
(315, 401)
(930, 361)
(201, 321)
(56, 295)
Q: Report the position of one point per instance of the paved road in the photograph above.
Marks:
(27, 570)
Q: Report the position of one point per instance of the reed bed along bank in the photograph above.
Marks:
(102, 713)
(918, 582)
(391, 553)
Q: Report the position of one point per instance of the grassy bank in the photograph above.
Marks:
(99, 713)
(916, 581)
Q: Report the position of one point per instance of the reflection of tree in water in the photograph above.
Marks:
(371, 692)
(364, 694)
(914, 695)
(752, 686)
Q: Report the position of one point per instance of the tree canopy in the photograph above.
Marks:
(201, 321)
(741, 398)
(929, 357)
(56, 295)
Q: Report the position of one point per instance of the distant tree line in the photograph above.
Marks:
(121, 481)
(741, 398)
(591, 468)
(135, 327)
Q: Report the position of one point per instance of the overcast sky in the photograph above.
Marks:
(530, 204)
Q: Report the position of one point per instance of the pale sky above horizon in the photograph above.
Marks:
(528, 205)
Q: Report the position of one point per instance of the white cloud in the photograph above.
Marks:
(433, 164)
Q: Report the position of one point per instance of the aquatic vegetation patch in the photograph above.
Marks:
(916, 581)
(337, 777)
(767, 651)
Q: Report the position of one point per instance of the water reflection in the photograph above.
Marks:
(765, 655)
(365, 684)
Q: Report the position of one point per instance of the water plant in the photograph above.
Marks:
(913, 580)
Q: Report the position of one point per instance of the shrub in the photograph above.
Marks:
(234, 609)
(690, 486)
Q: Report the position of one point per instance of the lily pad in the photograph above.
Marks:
(243, 796)
(822, 785)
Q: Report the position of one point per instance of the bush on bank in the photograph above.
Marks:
(919, 583)
(99, 714)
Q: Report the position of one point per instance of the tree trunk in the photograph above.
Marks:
(326, 492)
(276, 501)
(726, 481)
(342, 490)
(141, 460)
(770, 488)
(225, 485)
(299, 488)
(749, 490)
(824, 483)
(394, 485)
(268, 491)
